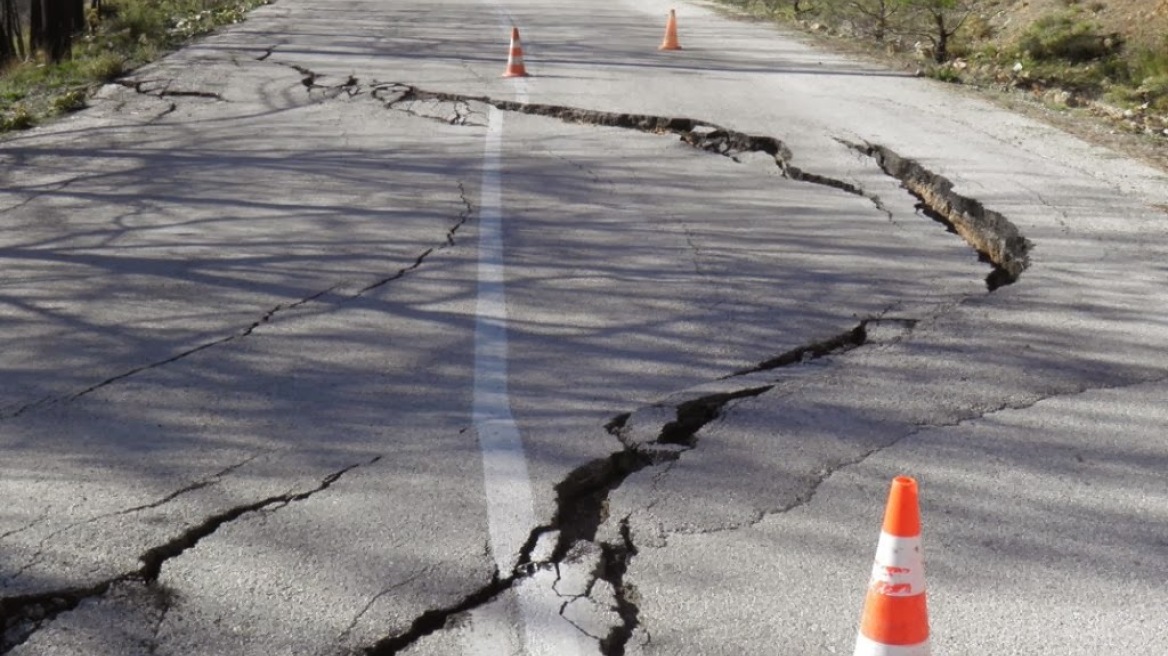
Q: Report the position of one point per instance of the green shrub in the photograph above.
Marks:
(18, 117)
(104, 67)
(1065, 36)
(70, 101)
(137, 19)
(1149, 62)
(945, 74)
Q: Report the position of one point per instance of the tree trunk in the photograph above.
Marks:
(8, 40)
(941, 52)
(76, 15)
(58, 34)
(36, 26)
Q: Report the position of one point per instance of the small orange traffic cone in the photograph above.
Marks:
(896, 619)
(515, 67)
(670, 42)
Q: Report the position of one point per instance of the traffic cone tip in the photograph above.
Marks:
(902, 517)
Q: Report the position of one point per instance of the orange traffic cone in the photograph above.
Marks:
(896, 620)
(670, 42)
(515, 67)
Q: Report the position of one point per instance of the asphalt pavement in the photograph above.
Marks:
(321, 337)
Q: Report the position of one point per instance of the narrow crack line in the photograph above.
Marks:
(580, 629)
(824, 474)
(841, 343)
(1062, 219)
(190, 94)
(36, 558)
(463, 218)
(164, 601)
(44, 191)
(153, 559)
(848, 340)
(267, 317)
(27, 527)
(138, 87)
(268, 52)
(171, 107)
(1026, 405)
(374, 599)
(42, 607)
(307, 77)
(197, 485)
(435, 619)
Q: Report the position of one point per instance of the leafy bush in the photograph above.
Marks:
(16, 118)
(70, 101)
(104, 67)
(1150, 62)
(945, 74)
(1065, 36)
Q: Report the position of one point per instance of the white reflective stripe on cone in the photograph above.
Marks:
(898, 569)
(865, 647)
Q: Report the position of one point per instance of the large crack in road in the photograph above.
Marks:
(21, 616)
(994, 237)
(581, 508)
(582, 497)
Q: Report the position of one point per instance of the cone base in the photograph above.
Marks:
(669, 47)
(867, 647)
(521, 74)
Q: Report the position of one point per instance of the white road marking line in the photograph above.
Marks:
(509, 507)
(510, 512)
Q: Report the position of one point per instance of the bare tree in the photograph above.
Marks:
(52, 24)
(942, 18)
(11, 39)
(878, 13)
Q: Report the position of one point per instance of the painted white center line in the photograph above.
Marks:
(510, 512)
(509, 507)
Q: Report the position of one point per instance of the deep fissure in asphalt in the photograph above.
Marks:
(581, 508)
(995, 238)
(22, 615)
(582, 497)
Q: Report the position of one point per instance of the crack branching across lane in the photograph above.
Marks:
(582, 497)
(581, 508)
(22, 615)
(994, 237)
(267, 317)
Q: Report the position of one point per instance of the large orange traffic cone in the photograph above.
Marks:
(515, 67)
(670, 42)
(896, 620)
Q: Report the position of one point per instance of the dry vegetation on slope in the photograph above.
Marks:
(1103, 59)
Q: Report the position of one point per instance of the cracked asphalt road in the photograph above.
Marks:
(239, 310)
